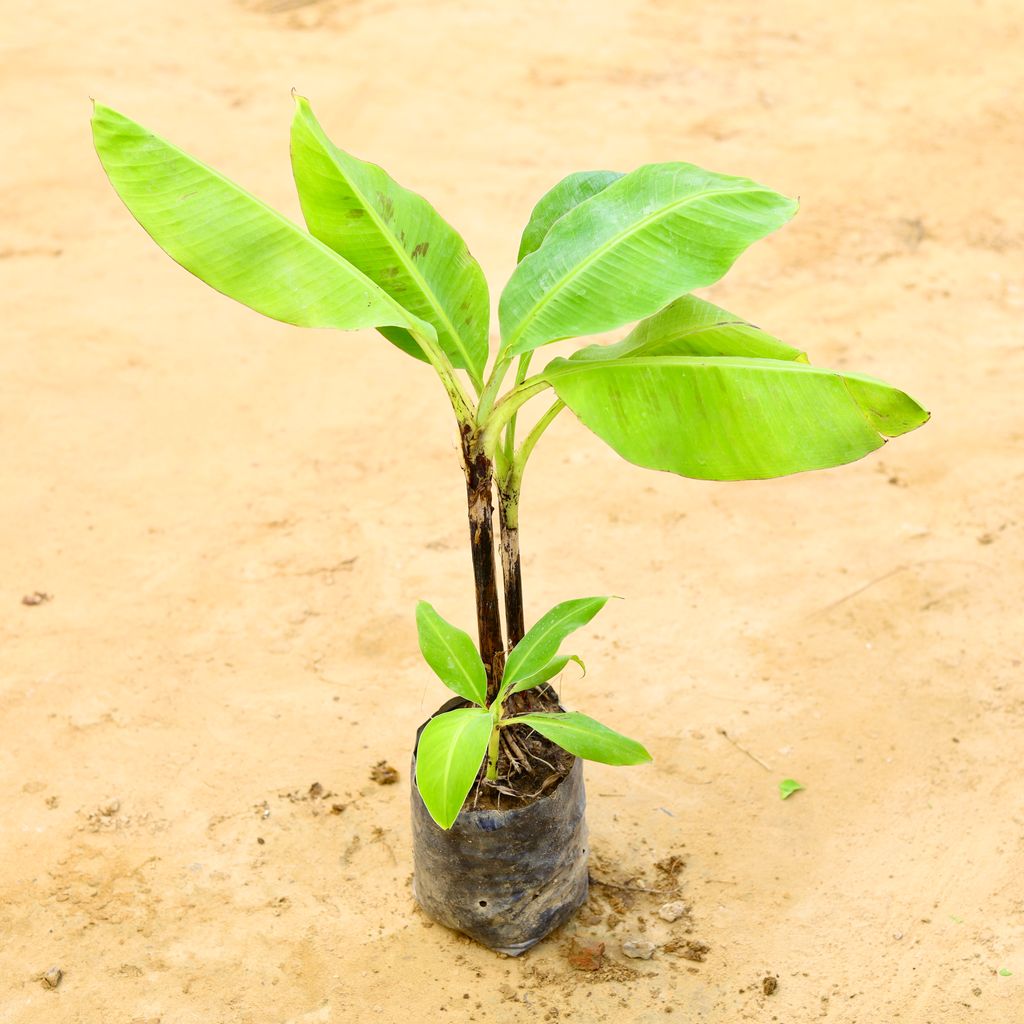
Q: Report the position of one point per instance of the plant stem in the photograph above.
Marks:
(510, 486)
(492, 753)
(511, 567)
(479, 496)
(490, 392)
(444, 369)
(510, 431)
(531, 439)
(495, 421)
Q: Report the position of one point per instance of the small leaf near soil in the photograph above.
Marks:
(787, 787)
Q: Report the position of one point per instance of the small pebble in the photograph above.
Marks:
(110, 809)
(638, 949)
(51, 979)
(672, 911)
(769, 985)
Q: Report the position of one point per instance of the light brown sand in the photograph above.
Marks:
(235, 519)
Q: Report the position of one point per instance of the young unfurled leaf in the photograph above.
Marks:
(653, 235)
(550, 670)
(448, 757)
(692, 327)
(542, 640)
(396, 238)
(558, 201)
(725, 418)
(584, 737)
(234, 241)
(787, 787)
(452, 655)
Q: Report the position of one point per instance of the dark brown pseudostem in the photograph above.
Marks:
(479, 487)
(511, 569)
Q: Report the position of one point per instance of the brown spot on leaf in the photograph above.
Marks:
(387, 206)
(420, 250)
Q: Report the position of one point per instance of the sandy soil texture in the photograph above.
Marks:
(233, 520)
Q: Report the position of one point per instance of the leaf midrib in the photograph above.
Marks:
(550, 294)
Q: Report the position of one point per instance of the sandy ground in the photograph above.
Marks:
(235, 518)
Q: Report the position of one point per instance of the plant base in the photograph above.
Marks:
(506, 878)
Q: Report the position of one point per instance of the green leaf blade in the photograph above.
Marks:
(541, 642)
(728, 418)
(584, 737)
(549, 671)
(558, 201)
(693, 327)
(646, 239)
(396, 238)
(787, 787)
(452, 655)
(448, 757)
(233, 241)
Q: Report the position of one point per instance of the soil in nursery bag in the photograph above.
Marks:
(513, 867)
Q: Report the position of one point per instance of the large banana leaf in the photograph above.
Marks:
(653, 235)
(233, 241)
(692, 327)
(727, 418)
(396, 238)
(558, 201)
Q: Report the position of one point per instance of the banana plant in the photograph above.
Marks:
(691, 389)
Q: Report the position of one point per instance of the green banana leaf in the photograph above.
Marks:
(452, 655)
(448, 757)
(584, 736)
(397, 239)
(643, 241)
(558, 201)
(692, 327)
(729, 418)
(234, 242)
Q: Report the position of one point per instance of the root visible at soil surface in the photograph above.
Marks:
(529, 765)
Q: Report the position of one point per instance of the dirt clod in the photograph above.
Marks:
(585, 956)
(769, 985)
(383, 774)
(36, 597)
(688, 949)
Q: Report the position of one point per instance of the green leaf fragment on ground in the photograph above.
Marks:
(787, 787)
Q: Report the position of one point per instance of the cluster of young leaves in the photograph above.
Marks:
(453, 745)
